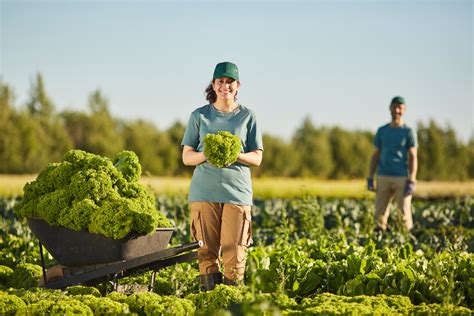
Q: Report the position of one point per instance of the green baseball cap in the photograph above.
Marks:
(226, 69)
(398, 99)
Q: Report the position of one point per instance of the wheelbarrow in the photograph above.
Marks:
(89, 259)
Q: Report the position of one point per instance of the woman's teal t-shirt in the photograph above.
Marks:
(232, 184)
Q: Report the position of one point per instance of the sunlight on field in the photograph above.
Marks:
(288, 188)
(167, 185)
(12, 185)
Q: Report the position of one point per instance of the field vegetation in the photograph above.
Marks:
(310, 256)
(315, 251)
(275, 187)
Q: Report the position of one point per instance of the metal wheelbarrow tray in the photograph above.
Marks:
(89, 259)
(78, 248)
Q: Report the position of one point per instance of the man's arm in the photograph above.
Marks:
(252, 158)
(412, 163)
(374, 160)
(373, 165)
(192, 157)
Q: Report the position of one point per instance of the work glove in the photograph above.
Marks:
(370, 184)
(409, 187)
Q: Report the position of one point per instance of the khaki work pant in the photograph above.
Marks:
(388, 188)
(225, 228)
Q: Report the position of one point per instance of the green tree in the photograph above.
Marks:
(362, 152)
(35, 142)
(7, 98)
(159, 152)
(95, 131)
(10, 141)
(431, 152)
(21, 146)
(351, 151)
(176, 133)
(279, 158)
(50, 135)
(470, 155)
(314, 148)
(39, 104)
(77, 124)
(442, 156)
(142, 137)
(169, 153)
(342, 153)
(457, 156)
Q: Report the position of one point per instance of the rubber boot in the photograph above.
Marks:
(232, 282)
(209, 281)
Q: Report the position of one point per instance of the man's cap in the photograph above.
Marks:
(226, 69)
(398, 99)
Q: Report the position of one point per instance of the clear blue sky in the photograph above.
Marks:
(338, 62)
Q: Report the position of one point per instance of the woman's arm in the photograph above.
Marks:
(192, 157)
(252, 158)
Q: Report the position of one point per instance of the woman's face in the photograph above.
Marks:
(226, 88)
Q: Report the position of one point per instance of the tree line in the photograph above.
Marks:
(34, 134)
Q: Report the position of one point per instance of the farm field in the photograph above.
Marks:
(311, 256)
(114, 116)
(265, 188)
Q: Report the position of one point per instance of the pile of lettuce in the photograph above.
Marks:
(222, 149)
(87, 192)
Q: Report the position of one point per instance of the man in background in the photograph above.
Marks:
(395, 158)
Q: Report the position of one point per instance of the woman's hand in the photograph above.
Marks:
(191, 157)
(252, 158)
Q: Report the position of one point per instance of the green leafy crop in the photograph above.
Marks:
(37, 294)
(26, 275)
(117, 297)
(67, 306)
(9, 304)
(87, 192)
(103, 305)
(83, 290)
(137, 302)
(5, 274)
(221, 149)
(220, 298)
(171, 306)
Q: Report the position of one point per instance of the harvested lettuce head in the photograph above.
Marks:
(221, 149)
(127, 163)
(87, 192)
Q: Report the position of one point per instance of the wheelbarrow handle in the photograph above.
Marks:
(191, 246)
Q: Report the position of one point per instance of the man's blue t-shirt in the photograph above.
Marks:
(232, 184)
(393, 144)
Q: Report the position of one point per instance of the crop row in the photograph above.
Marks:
(223, 300)
(310, 256)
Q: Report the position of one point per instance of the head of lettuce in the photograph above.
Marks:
(88, 192)
(222, 149)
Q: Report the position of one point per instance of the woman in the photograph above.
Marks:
(221, 198)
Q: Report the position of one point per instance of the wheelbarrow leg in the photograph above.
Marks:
(114, 281)
(152, 282)
(42, 263)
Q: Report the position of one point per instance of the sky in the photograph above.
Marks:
(337, 62)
